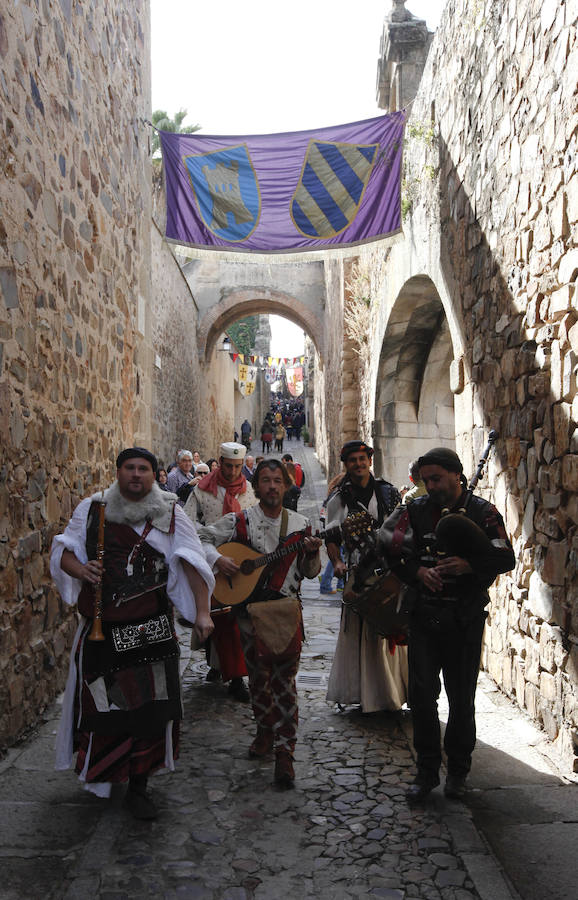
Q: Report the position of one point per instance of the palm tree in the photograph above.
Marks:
(163, 122)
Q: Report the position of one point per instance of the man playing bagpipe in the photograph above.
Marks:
(448, 546)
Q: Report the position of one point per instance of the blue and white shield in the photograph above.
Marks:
(227, 191)
(331, 187)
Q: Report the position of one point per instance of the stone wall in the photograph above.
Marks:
(177, 375)
(74, 302)
(491, 203)
(327, 374)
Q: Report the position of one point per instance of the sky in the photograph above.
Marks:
(260, 67)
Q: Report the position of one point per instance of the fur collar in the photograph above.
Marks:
(157, 506)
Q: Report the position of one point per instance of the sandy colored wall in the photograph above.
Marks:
(74, 302)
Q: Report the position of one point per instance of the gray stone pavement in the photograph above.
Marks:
(225, 834)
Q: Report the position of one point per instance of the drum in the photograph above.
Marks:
(380, 603)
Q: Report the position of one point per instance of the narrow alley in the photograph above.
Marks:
(346, 831)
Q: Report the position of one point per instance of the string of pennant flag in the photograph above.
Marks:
(248, 374)
(267, 360)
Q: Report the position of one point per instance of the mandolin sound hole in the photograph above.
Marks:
(247, 567)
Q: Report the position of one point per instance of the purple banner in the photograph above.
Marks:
(279, 193)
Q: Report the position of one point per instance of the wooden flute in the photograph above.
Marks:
(96, 632)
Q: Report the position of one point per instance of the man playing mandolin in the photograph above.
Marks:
(450, 560)
(270, 620)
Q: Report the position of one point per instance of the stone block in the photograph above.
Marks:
(30, 544)
(457, 375)
(540, 598)
(556, 371)
(573, 337)
(546, 523)
(551, 501)
(52, 213)
(561, 415)
(569, 370)
(561, 301)
(554, 570)
(519, 681)
(9, 287)
(571, 667)
(570, 472)
(532, 661)
(506, 680)
(572, 199)
(549, 720)
(532, 700)
(557, 215)
(542, 232)
(548, 689)
(568, 268)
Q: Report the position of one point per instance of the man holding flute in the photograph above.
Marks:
(449, 568)
(124, 554)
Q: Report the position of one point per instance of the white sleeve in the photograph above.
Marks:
(73, 538)
(185, 544)
(191, 507)
(336, 512)
(212, 536)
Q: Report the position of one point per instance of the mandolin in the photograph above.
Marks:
(233, 590)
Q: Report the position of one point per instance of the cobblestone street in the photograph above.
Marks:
(225, 833)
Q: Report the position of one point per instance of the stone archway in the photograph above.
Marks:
(414, 406)
(251, 301)
(226, 289)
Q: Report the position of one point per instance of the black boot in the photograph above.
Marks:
(138, 801)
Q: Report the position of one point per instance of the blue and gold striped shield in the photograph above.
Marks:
(331, 187)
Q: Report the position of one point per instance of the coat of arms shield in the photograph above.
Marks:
(227, 191)
(331, 187)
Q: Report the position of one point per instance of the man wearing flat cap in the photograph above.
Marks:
(449, 561)
(122, 707)
(364, 669)
(223, 491)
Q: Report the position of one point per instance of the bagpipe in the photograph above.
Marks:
(455, 534)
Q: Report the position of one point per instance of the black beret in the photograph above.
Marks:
(355, 447)
(137, 453)
(444, 457)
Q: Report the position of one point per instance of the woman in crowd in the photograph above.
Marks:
(292, 494)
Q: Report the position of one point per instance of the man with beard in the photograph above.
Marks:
(448, 616)
(271, 623)
(220, 492)
(122, 704)
(367, 669)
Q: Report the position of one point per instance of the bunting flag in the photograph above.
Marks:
(247, 379)
(307, 190)
(271, 374)
(295, 380)
(270, 361)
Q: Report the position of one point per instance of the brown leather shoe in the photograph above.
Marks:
(262, 746)
(284, 771)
